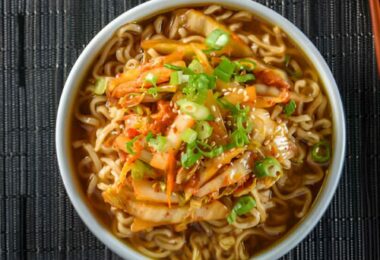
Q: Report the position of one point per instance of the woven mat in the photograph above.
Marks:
(39, 43)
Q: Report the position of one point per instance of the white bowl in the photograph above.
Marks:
(153, 7)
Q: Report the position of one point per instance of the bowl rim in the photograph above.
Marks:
(153, 7)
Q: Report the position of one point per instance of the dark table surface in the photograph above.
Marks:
(39, 43)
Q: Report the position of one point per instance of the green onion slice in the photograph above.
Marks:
(177, 78)
(320, 152)
(290, 108)
(246, 64)
(189, 135)
(244, 205)
(158, 143)
(268, 167)
(203, 129)
(150, 77)
(190, 156)
(244, 78)
(217, 39)
(101, 86)
(197, 111)
(179, 68)
(213, 153)
(225, 69)
(287, 60)
(129, 145)
(196, 66)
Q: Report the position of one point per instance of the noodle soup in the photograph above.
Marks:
(201, 133)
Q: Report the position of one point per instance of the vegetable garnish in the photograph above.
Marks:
(177, 78)
(158, 143)
(245, 64)
(287, 60)
(240, 135)
(217, 40)
(139, 169)
(203, 129)
(100, 86)
(244, 78)
(190, 156)
(290, 108)
(320, 152)
(225, 69)
(189, 136)
(151, 78)
(194, 152)
(179, 68)
(213, 153)
(196, 88)
(244, 205)
(268, 167)
(129, 145)
(196, 66)
(197, 111)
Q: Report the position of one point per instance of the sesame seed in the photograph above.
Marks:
(220, 165)
(240, 91)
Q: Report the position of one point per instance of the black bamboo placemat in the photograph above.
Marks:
(39, 43)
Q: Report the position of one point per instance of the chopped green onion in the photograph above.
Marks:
(177, 78)
(190, 156)
(240, 135)
(244, 205)
(158, 143)
(268, 167)
(139, 169)
(231, 217)
(198, 112)
(226, 105)
(244, 78)
(225, 69)
(213, 153)
(198, 86)
(290, 108)
(203, 129)
(178, 68)
(100, 86)
(196, 66)
(287, 60)
(320, 152)
(239, 138)
(189, 136)
(217, 39)
(151, 78)
(149, 137)
(129, 145)
(246, 64)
